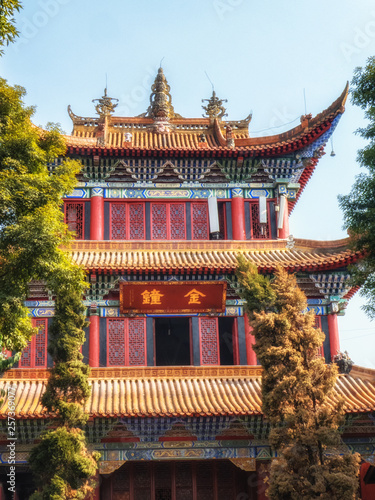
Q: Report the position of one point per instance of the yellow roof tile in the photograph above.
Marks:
(177, 391)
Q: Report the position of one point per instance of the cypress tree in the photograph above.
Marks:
(296, 385)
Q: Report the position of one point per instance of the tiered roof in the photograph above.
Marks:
(154, 135)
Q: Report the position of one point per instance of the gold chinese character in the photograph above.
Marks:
(146, 297)
(153, 297)
(194, 296)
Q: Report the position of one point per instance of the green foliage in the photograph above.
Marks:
(31, 220)
(8, 30)
(359, 205)
(68, 387)
(71, 465)
(32, 237)
(63, 466)
(260, 296)
(295, 385)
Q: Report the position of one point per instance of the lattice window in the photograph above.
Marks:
(159, 221)
(177, 221)
(209, 341)
(199, 212)
(258, 231)
(74, 217)
(116, 342)
(137, 341)
(26, 359)
(35, 353)
(136, 221)
(184, 482)
(121, 484)
(118, 221)
(126, 342)
(40, 342)
(127, 221)
(163, 481)
(142, 481)
(204, 480)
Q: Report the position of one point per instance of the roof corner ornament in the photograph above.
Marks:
(290, 242)
(214, 108)
(305, 119)
(161, 108)
(106, 105)
(229, 137)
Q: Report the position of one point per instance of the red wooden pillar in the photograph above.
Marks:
(2, 496)
(97, 214)
(94, 340)
(250, 341)
(262, 486)
(238, 215)
(283, 223)
(333, 331)
(367, 490)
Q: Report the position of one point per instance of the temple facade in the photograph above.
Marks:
(163, 207)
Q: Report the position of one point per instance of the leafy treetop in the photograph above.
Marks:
(359, 205)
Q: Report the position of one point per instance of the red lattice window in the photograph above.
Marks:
(118, 221)
(35, 353)
(136, 221)
(116, 342)
(137, 341)
(127, 221)
(168, 221)
(177, 221)
(209, 341)
(74, 217)
(258, 231)
(126, 342)
(159, 221)
(199, 220)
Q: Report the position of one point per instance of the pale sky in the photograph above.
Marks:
(271, 57)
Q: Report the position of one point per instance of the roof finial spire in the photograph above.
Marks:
(160, 98)
(105, 106)
(214, 108)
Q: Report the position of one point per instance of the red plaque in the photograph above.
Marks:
(172, 296)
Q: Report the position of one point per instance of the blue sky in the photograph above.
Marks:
(269, 57)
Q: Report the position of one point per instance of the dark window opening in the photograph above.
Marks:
(226, 341)
(255, 229)
(172, 342)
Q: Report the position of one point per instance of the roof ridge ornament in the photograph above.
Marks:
(160, 99)
(106, 105)
(214, 108)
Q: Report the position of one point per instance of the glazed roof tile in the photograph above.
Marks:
(186, 256)
(176, 391)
